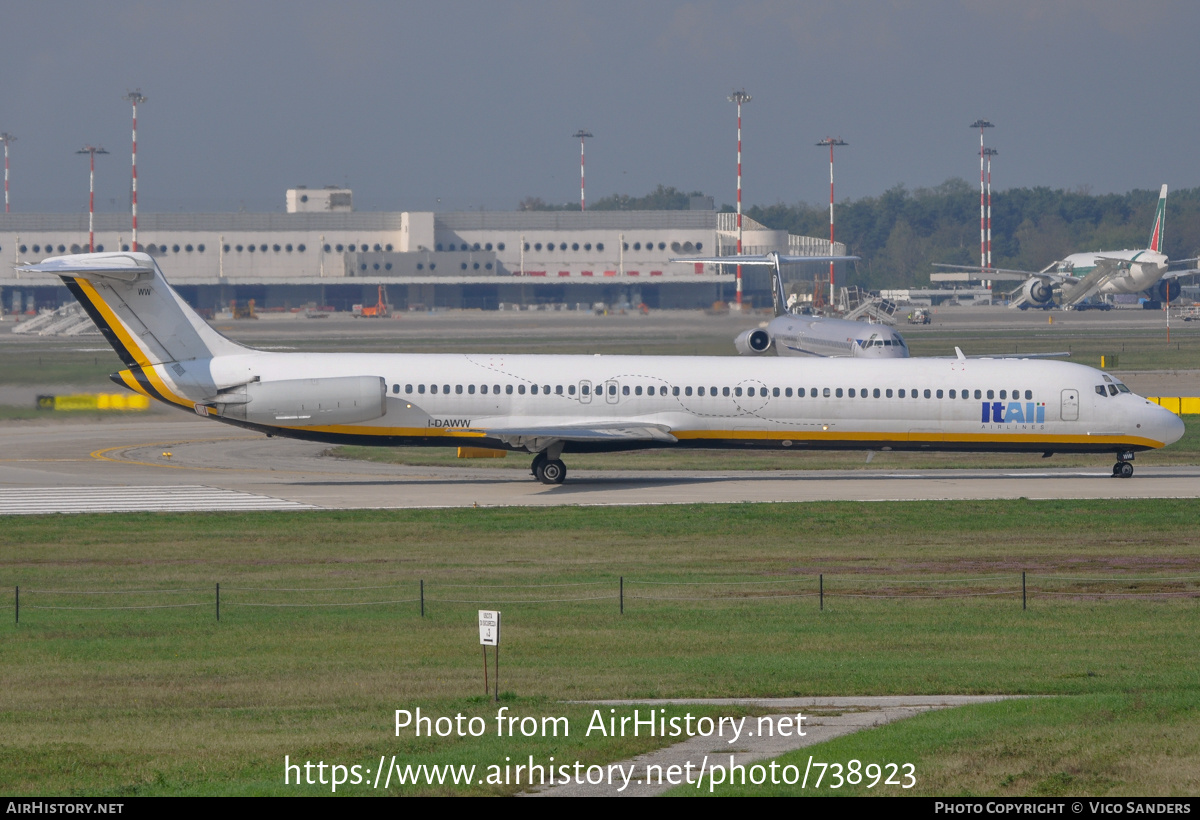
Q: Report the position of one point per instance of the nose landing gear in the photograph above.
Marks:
(1123, 469)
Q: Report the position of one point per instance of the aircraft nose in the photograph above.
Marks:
(1162, 425)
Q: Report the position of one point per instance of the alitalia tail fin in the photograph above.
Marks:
(1160, 219)
(140, 315)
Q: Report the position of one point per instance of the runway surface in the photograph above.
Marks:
(75, 467)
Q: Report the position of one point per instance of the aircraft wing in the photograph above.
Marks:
(521, 436)
(762, 259)
(1176, 274)
(1009, 275)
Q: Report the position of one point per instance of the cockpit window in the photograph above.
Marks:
(1112, 390)
(1122, 388)
(1100, 390)
(1107, 379)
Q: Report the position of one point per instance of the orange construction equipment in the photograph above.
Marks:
(379, 309)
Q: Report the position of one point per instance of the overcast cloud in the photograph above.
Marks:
(463, 105)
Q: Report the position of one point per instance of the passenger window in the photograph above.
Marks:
(612, 390)
(775, 392)
(952, 395)
(699, 391)
(521, 389)
(496, 389)
(825, 392)
(901, 394)
(1003, 394)
(458, 389)
(913, 392)
(558, 390)
(939, 394)
(724, 391)
(570, 390)
(675, 391)
(585, 390)
(737, 391)
(787, 392)
(546, 389)
(471, 389)
(433, 388)
(875, 392)
(991, 394)
(508, 389)
(889, 392)
(408, 388)
(625, 390)
(1028, 394)
(687, 391)
(637, 390)
(420, 388)
(445, 388)
(395, 388)
(851, 392)
(712, 391)
(799, 392)
(928, 394)
(978, 395)
(533, 389)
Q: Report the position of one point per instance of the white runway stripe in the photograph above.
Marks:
(186, 498)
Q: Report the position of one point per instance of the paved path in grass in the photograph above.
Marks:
(824, 719)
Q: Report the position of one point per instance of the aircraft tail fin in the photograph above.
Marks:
(140, 315)
(1160, 219)
(778, 294)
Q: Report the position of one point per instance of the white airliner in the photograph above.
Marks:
(789, 334)
(548, 405)
(1083, 275)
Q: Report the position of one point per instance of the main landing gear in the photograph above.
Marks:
(1123, 469)
(548, 470)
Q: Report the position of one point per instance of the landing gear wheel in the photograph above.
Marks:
(540, 459)
(551, 471)
(1124, 469)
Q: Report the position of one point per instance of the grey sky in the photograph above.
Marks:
(474, 103)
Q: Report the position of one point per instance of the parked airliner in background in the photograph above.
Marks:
(789, 334)
(1083, 275)
(548, 405)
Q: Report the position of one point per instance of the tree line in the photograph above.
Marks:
(901, 233)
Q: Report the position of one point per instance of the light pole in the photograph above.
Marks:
(134, 97)
(983, 261)
(739, 97)
(6, 138)
(91, 151)
(581, 135)
(989, 153)
(831, 142)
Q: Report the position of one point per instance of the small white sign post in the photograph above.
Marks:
(489, 635)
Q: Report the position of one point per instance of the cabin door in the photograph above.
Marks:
(1070, 405)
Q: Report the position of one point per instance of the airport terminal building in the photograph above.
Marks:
(321, 252)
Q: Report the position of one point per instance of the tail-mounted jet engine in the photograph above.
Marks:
(305, 402)
(753, 342)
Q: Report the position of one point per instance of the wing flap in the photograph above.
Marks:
(519, 436)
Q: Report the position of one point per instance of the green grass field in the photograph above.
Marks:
(169, 701)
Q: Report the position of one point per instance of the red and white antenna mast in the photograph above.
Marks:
(134, 97)
(739, 97)
(582, 134)
(831, 142)
(6, 138)
(91, 151)
(983, 260)
(989, 153)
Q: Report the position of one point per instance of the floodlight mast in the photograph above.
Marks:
(739, 97)
(91, 151)
(983, 260)
(581, 135)
(989, 153)
(6, 138)
(831, 142)
(134, 97)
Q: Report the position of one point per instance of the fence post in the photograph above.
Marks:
(822, 577)
(1023, 596)
(422, 597)
(17, 604)
(218, 601)
(622, 594)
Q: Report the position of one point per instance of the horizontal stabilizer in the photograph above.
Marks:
(87, 266)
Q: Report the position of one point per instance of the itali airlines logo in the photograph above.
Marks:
(1014, 412)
